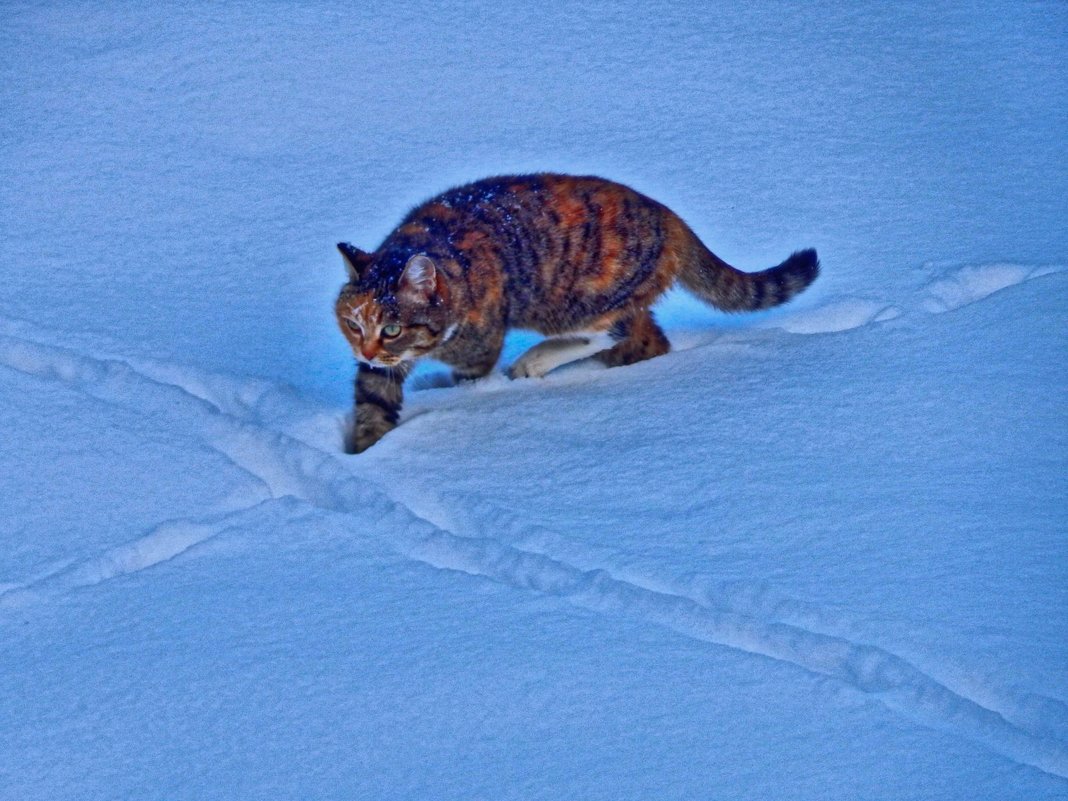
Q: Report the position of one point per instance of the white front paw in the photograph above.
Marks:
(529, 365)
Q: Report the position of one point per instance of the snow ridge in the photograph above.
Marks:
(288, 468)
(868, 669)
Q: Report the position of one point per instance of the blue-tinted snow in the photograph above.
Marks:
(817, 552)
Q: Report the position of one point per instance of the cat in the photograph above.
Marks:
(579, 259)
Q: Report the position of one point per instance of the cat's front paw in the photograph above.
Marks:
(551, 353)
(366, 433)
(518, 370)
(540, 359)
(530, 365)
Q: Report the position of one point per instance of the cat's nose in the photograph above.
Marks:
(369, 350)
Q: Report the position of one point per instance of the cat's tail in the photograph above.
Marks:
(730, 289)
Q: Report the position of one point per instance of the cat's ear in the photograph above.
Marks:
(419, 280)
(355, 259)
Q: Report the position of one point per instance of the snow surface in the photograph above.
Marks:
(817, 552)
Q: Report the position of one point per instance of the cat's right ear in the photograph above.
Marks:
(355, 259)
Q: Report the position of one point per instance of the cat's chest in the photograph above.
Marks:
(456, 342)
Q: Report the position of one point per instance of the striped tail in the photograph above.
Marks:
(729, 289)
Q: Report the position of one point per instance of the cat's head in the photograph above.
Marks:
(389, 322)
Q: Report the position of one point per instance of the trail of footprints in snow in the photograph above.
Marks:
(759, 620)
(166, 541)
(951, 289)
(287, 467)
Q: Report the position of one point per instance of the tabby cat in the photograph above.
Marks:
(579, 259)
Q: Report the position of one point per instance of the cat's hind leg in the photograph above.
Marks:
(636, 338)
(556, 351)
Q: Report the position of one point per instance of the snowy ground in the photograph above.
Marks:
(815, 553)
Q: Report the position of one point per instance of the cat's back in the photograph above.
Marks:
(550, 220)
(552, 247)
(549, 199)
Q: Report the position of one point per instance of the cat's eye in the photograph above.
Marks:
(353, 327)
(391, 330)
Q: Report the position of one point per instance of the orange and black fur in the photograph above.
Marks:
(579, 259)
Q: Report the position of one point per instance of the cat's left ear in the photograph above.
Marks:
(355, 259)
(419, 281)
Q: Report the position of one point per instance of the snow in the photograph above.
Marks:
(816, 552)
